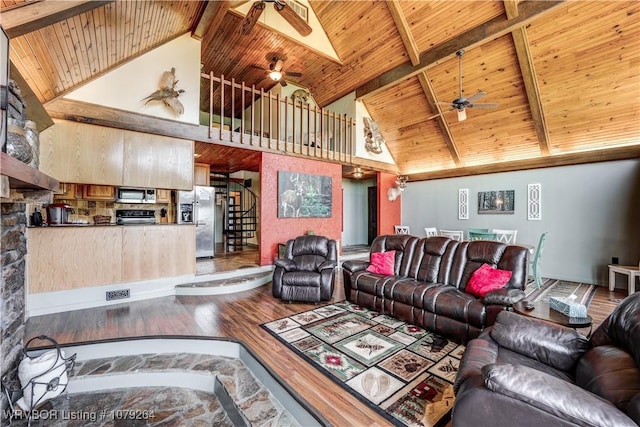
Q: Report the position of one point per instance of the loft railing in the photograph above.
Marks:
(248, 116)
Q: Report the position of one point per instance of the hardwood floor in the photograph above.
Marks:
(237, 316)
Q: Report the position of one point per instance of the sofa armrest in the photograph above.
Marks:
(551, 344)
(287, 264)
(327, 265)
(552, 395)
(355, 265)
(504, 296)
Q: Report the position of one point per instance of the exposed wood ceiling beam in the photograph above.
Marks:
(497, 27)
(36, 15)
(604, 155)
(527, 69)
(211, 18)
(405, 32)
(430, 94)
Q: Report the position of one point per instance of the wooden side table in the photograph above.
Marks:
(632, 271)
(543, 311)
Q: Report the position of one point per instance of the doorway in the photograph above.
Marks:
(372, 214)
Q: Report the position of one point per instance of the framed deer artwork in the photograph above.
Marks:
(304, 196)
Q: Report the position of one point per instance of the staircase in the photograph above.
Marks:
(240, 214)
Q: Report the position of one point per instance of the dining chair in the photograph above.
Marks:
(401, 229)
(476, 230)
(431, 231)
(481, 235)
(505, 236)
(453, 234)
(535, 263)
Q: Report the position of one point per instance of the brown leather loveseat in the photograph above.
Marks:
(526, 372)
(429, 281)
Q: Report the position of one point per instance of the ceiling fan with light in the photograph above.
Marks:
(281, 6)
(461, 103)
(276, 71)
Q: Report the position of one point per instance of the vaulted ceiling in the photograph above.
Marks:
(566, 75)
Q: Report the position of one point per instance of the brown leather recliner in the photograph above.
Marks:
(526, 372)
(307, 270)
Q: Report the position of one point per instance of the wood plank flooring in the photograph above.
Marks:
(236, 316)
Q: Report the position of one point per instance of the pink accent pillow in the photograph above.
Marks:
(487, 279)
(382, 263)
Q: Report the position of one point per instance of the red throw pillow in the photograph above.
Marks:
(382, 263)
(487, 279)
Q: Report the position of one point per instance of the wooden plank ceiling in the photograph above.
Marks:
(566, 75)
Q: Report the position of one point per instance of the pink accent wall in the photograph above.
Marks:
(389, 213)
(274, 230)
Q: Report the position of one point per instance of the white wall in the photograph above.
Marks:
(126, 86)
(355, 211)
(592, 213)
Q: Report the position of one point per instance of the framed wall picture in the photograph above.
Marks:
(304, 196)
(496, 202)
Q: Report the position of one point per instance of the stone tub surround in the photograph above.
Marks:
(208, 372)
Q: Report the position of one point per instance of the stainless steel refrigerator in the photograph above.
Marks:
(198, 207)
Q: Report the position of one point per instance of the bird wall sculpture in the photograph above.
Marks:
(167, 92)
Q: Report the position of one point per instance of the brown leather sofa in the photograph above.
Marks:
(429, 282)
(527, 372)
(307, 270)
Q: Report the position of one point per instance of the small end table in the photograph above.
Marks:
(543, 311)
(632, 271)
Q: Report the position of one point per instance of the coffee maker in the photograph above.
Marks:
(58, 213)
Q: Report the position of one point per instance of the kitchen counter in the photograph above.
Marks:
(79, 256)
(106, 225)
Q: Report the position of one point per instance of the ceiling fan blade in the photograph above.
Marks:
(252, 17)
(282, 82)
(293, 73)
(478, 95)
(484, 105)
(298, 24)
(277, 65)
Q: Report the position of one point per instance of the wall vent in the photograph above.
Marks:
(119, 294)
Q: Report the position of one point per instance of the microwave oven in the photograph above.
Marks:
(135, 195)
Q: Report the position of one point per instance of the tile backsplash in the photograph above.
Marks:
(85, 210)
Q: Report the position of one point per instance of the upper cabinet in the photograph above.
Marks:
(157, 161)
(89, 154)
(201, 174)
(77, 152)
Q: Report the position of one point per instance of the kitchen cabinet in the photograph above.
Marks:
(66, 258)
(152, 161)
(63, 258)
(67, 191)
(82, 153)
(163, 196)
(99, 192)
(156, 251)
(201, 174)
(90, 154)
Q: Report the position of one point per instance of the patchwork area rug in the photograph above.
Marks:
(402, 371)
(560, 288)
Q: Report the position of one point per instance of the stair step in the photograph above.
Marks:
(208, 382)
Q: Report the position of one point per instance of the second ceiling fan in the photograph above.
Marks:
(281, 6)
(461, 103)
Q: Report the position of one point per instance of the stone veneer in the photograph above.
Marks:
(13, 244)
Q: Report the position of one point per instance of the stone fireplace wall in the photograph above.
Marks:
(13, 244)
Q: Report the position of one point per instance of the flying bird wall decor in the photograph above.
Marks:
(167, 92)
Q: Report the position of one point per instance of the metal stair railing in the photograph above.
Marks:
(241, 215)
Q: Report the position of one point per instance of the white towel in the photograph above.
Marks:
(41, 370)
